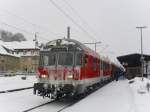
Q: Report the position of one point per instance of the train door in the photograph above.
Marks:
(85, 66)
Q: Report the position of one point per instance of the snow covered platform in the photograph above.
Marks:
(120, 96)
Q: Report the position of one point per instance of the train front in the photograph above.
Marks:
(59, 69)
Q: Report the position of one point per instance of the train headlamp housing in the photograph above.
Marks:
(70, 76)
(43, 73)
(44, 76)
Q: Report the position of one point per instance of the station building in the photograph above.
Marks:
(132, 64)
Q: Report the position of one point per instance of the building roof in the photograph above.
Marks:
(3, 51)
(133, 60)
(20, 45)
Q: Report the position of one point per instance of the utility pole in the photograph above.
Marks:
(142, 58)
(68, 32)
(36, 50)
(95, 43)
(36, 41)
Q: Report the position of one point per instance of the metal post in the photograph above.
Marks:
(142, 58)
(36, 46)
(68, 32)
(95, 46)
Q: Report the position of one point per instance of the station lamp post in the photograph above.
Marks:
(142, 58)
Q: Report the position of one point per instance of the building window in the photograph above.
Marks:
(24, 52)
(32, 52)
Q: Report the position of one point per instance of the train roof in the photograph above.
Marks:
(78, 44)
(112, 59)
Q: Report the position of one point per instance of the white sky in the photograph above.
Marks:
(113, 21)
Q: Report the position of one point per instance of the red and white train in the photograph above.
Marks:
(68, 67)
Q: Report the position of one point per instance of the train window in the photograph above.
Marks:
(62, 58)
(79, 59)
(65, 59)
(41, 61)
(94, 64)
(69, 59)
(52, 59)
(45, 60)
(86, 60)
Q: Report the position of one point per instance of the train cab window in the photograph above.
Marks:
(52, 59)
(79, 59)
(45, 60)
(69, 59)
(41, 61)
(65, 59)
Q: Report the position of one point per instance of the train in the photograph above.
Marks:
(68, 67)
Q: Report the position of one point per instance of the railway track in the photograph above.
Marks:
(54, 101)
(74, 101)
(14, 90)
(30, 109)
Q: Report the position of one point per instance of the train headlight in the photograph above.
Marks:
(70, 76)
(44, 76)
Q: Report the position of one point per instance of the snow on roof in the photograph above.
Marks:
(3, 50)
(20, 45)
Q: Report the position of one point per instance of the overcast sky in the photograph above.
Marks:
(113, 22)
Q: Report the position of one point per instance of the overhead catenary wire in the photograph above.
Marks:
(71, 19)
(84, 22)
(28, 22)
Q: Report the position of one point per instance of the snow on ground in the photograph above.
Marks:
(15, 82)
(141, 95)
(20, 101)
(120, 96)
(114, 97)
(23, 100)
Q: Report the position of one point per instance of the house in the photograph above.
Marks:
(8, 61)
(26, 52)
